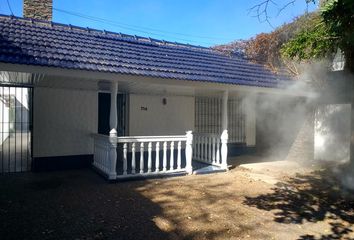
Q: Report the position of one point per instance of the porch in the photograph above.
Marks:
(152, 156)
(123, 157)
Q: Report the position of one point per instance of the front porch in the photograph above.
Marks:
(152, 156)
(122, 157)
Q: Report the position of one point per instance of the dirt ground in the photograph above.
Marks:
(278, 200)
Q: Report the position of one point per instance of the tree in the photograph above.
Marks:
(332, 29)
(265, 48)
(329, 29)
(338, 15)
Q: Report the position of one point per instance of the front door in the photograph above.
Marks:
(104, 106)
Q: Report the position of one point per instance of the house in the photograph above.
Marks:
(133, 106)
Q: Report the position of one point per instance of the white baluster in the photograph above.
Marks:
(94, 153)
(164, 161)
(172, 155)
(189, 152)
(133, 158)
(179, 155)
(125, 160)
(196, 148)
(201, 147)
(149, 156)
(218, 150)
(209, 149)
(213, 147)
(205, 148)
(142, 157)
(157, 159)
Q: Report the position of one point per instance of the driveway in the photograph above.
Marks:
(239, 204)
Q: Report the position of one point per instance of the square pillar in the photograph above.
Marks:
(224, 135)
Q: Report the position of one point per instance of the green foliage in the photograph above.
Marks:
(311, 36)
(333, 27)
(264, 48)
(338, 15)
(314, 41)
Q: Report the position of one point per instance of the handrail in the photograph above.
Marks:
(132, 157)
(207, 134)
(131, 139)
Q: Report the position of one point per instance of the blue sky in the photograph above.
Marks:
(198, 22)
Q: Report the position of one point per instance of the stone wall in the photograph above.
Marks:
(38, 9)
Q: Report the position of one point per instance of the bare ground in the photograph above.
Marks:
(265, 201)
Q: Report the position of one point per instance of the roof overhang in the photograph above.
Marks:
(199, 87)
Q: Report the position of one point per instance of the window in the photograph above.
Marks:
(208, 117)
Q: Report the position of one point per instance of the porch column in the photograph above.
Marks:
(113, 112)
(224, 135)
(225, 99)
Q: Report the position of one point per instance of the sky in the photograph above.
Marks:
(197, 22)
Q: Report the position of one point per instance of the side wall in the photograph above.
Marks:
(63, 122)
(149, 116)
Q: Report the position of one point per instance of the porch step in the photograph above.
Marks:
(208, 169)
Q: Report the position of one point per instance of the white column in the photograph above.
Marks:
(224, 135)
(113, 132)
(224, 139)
(113, 113)
(225, 99)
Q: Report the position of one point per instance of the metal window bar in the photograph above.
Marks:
(15, 126)
(208, 117)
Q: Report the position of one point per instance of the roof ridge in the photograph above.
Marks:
(118, 34)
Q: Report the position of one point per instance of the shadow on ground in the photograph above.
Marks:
(311, 198)
(74, 205)
(81, 205)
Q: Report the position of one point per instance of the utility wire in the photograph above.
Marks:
(144, 28)
(133, 29)
(139, 29)
(8, 4)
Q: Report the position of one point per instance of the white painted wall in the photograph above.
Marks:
(332, 138)
(174, 118)
(63, 121)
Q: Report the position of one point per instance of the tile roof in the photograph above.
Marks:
(33, 42)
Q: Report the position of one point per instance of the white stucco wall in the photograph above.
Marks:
(63, 121)
(148, 116)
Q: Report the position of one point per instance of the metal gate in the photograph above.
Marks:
(15, 129)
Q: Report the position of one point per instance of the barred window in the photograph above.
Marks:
(208, 116)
